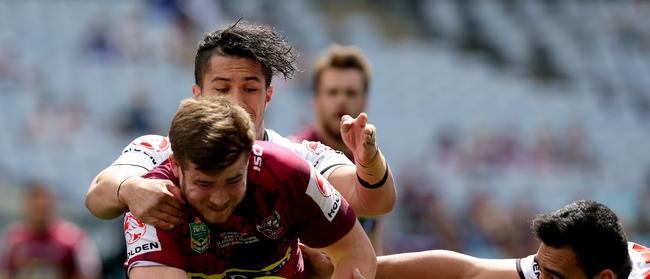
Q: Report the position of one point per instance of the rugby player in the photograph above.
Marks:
(581, 240)
(340, 85)
(239, 61)
(44, 245)
(249, 203)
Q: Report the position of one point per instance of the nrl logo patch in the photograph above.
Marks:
(200, 234)
(270, 226)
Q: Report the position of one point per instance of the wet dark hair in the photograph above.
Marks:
(592, 231)
(247, 40)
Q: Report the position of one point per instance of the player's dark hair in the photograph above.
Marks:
(211, 133)
(592, 231)
(343, 58)
(246, 40)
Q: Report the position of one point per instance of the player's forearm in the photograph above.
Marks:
(102, 199)
(353, 251)
(346, 266)
(443, 264)
(377, 196)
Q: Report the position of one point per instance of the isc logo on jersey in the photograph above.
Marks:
(257, 157)
(327, 198)
(140, 237)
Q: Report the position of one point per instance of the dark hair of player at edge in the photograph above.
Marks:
(247, 40)
(593, 233)
(211, 133)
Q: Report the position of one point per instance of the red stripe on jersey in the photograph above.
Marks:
(639, 247)
(646, 256)
(646, 275)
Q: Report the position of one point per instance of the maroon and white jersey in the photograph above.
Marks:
(639, 256)
(151, 150)
(63, 251)
(286, 199)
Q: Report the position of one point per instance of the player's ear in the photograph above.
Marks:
(269, 93)
(176, 166)
(196, 91)
(606, 274)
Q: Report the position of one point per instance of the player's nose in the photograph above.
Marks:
(219, 199)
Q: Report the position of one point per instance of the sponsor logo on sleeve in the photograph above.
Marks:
(324, 195)
(155, 143)
(200, 236)
(140, 237)
(316, 147)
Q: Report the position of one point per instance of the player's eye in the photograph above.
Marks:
(251, 89)
(222, 90)
(234, 181)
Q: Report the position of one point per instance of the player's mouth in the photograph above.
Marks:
(220, 208)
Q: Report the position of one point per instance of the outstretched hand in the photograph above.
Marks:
(360, 137)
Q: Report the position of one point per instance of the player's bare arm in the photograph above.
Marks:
(444, 264)
(377, 196)
(120, 186)
(151, 200)
(352, 251)
(167, 272)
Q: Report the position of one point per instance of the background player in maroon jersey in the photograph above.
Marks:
(45, 246)
(341, 80)
(239, 61)
(248, 206)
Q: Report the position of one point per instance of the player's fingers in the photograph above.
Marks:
(346, 123)
(167, 219)
(172, 212)
(371, 134)
(160, 224)
(362, 120)
(176, 192)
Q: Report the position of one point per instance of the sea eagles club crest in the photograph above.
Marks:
(270, 226)
(200, 234)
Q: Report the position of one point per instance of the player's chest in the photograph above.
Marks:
(257, 235)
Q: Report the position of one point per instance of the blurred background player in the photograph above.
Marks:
(45, 246)
(340, 85)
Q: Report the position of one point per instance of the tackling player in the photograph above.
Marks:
(581, 240)
(249, 202)
(239, 61)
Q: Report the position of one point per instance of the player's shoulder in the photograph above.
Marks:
(67, 232)
(640, 259)
(274, 156)
(308, 134)
(15, 232)
(272, 162)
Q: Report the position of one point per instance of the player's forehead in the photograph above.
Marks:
(341, 76)
(234, 68)
(558, 261)
(239, 167)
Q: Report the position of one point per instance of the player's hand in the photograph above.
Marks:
(154, 201)
(317, 264)
(356, 274)
(360, 137)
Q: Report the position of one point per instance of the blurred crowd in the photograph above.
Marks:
(489, 111)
